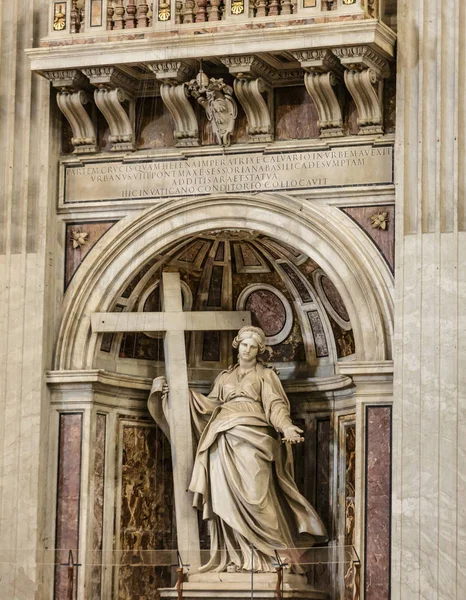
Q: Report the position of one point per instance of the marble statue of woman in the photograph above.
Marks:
(243, 474)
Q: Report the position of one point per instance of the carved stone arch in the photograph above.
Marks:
(324, 233)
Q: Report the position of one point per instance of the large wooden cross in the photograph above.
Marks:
(174, 322)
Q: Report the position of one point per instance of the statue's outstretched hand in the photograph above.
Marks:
(292, 434)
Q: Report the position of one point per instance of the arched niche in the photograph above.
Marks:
(121, 266)
(326, 236)
(288, 294)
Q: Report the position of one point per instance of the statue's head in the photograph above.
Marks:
(249, 331)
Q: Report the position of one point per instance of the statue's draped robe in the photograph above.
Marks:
(243, 475)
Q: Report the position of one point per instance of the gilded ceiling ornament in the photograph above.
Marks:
(216, 97)
(79, 238)
(380, 220)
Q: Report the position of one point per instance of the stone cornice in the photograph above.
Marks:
(182, 46)
(110, 382)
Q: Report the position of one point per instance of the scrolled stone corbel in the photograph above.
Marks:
(110, 102)
(323, 74)
(175, 98)
(364, 75)
(72, 105)
(71, 100)
(249, 93)
(174, 94)
(254, 77)
(114, 88)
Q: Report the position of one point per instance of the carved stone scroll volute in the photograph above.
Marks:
(252, 81)
(115, 89)
(174, 93)
(323, 74)
(364, 75)
(249, 93)
(72, 99)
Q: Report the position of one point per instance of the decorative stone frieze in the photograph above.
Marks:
(364, 74)
(250, 66)
(172, 71)
(114, 98)
(72, 98)
(174, 93)
(323, 73)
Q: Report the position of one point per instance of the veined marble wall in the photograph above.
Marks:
(429, 547)
(27, 306)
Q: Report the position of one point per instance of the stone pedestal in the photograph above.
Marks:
(230, 586)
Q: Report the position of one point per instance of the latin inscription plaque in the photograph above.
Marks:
(228, 174)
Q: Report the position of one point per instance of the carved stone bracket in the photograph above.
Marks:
(249, 93)
(115, 88)
(249, 66)
(323, 74)
(253, 78)
(172, 71)
(175, 98)
(71, 100)
(174, 93)
(365, 71)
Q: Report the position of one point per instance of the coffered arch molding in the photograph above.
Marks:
(324, 233)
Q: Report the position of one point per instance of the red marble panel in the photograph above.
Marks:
(154, 124)
(103, 133)
(137, 278)
(97, 528)
(344, 339)
(389, 103)
(319, 334)
(322, 502)
(297, 282)
(350, 115)
(378, 502)
(295, 114)
(350, 507)
(332, 295)
(189, 255)
(147, 519)
(74, 256)
(215, 288)
(68, 498)
(250, 258)
(268, 310)
(384, 239)
(291, 349)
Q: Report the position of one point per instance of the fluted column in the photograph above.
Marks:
(429, 526)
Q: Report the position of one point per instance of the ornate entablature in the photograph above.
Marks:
(102, 57)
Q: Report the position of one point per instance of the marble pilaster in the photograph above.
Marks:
(25, 275)
(429, 545)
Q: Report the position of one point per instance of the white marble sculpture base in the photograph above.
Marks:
(230, 586)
